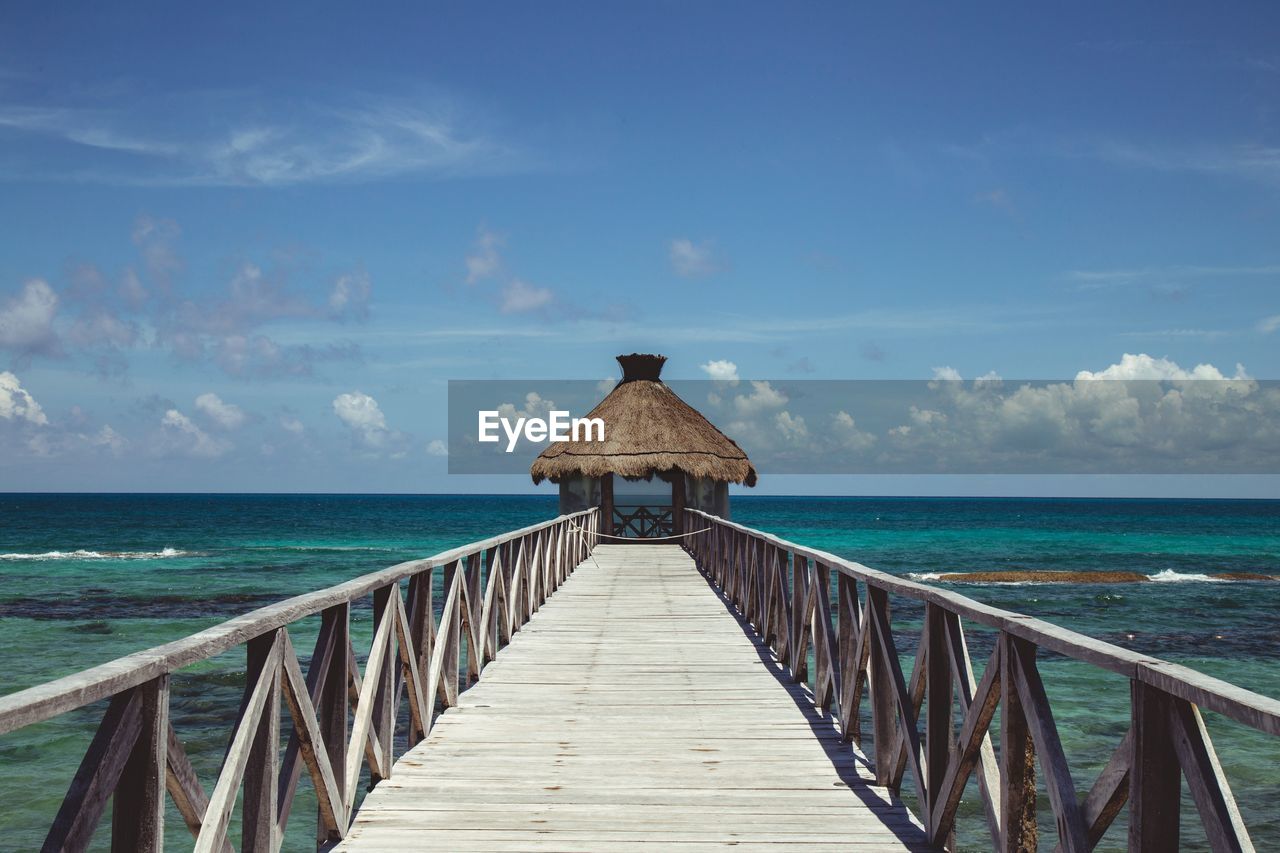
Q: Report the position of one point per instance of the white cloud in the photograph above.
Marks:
(363, 416)
(946, 374)
(225, 415)
(535, 406)
(26, 321)
(763, 396)
(692, 260)
(108, 439)
(17, 404)
(349, 296)
(242, 141)
(182, 436)
(1143, 366)
(721, 370)
(792, 427)
(847, 434)
(292, 424)
(1267, 325)
(436, 447)
(484, 261)
(520, 297)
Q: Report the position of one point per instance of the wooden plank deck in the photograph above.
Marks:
(632, 711)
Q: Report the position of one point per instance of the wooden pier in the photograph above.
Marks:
(633, 712)
(545, 690)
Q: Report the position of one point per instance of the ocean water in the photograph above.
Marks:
(86, 578)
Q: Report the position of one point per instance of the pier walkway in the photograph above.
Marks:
(633, 711)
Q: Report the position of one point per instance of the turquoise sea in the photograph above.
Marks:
(86, 578)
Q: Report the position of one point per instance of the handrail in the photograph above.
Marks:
(784, 591)
(491, 589)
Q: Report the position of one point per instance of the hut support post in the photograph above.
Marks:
(677, 502)
(606, 505)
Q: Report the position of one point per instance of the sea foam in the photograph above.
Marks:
(85, 554)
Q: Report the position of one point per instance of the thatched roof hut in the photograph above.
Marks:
(648, 431)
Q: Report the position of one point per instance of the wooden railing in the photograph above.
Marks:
(642, 521)
(785, 592)
(343, 720)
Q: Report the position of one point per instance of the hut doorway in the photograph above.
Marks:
(644, 508)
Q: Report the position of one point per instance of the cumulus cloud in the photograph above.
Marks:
(226, 415)
(26, 320)
(108, 439)
(288, 423)
(17, 404)
(762, 397)
(520, 297)
(485, 259)
(363, 417)
(792, 427)
(92, 317)
(156, 239)
(845, 430)
(534, 406)
(721, 369)
(180, 435)
(1139, 414)
(1143, 366)
(692, 260)
(1267, 325)
(436, 447)
(349, 297)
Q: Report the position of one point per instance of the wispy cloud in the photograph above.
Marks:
(1242, 160)
(1118, 277)
(693, 260)
(1202, 334)
(999, 199)
(360, 138)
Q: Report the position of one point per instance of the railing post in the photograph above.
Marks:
(939, 731)
(137, 821)
(1017, 759)
(450, 634)
(259, 831)
(1155, 777)
(883, 706)
(799, 597)
(331, 707)
(847, 640)
(384, 721)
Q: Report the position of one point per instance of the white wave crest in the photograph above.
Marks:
(85, 554)
(1170, 576)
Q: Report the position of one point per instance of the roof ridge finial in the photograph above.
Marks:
(641, 366)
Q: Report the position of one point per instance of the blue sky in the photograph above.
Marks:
(246, 248)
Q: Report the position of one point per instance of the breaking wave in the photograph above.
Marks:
(85, 554)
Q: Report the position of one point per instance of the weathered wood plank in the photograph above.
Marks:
(99, 771)
(635, 708)
(1155, 780)
(137, 807)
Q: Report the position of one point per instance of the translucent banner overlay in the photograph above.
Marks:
(983, 426)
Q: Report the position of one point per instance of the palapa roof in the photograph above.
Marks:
(647, 430)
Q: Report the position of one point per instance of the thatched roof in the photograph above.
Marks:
(647, 430)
